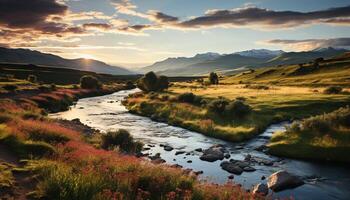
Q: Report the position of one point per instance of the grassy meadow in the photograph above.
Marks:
(327, 134)
(272, 95)
(42, 158)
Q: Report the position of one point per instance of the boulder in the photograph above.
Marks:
(260, 189)
(199, 149)
(168, 148)
(179, 152)
(212, 154)
(283, 180)
(249, 169)
(231, 167)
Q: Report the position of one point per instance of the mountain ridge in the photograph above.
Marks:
(255, 58)
(27, 56)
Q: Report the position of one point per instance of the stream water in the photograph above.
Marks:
(326, 181)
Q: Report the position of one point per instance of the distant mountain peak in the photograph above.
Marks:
(209, 55)
(260, 53)
(323, 49)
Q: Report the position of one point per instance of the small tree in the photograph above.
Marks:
(32, 78)
(89, 82)
(151, 82)
(213, 78)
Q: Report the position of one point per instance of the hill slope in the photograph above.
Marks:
(38, 58)
(334, 71)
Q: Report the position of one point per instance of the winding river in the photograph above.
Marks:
(323, 181)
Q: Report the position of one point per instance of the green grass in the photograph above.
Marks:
(269, 106)
(6, 177)
(327, 134)
(330, 72)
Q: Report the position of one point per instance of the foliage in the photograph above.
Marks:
(89, 82)
(32, 78)
(218, 105)
(187, 97)
(151, 82)
(122, 139)
(213, 78)
(238, 109)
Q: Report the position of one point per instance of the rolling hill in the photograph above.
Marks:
(27, 56)
(333, 71)
(231, 63)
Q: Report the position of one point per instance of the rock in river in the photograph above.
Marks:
(179, 152)
(214, 153)
(283, 180)
(231, 167)
(168, 148)
(261, 189)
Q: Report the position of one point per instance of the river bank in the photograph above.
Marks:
(107, 113)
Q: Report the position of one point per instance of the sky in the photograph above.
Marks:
(136, 33)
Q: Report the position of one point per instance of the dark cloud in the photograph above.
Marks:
(312, 43)
(253, 16)
(26, 14)
(100, 26)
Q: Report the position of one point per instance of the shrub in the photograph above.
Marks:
(53, 87)
(333, 90)
(10, 88)
(44, 88)
(121, 139)
(238, 109)
(89, 82)
(218, 105)
(213, 78)
(129, 84)
(187, 97)
(151, 82)
(32, 78)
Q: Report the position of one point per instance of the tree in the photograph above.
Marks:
(89, 82)
(151, 82)
(213, 78)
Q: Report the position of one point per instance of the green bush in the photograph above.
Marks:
(32, 78)
(218, 105)
(238, 109)
(187, 97)
(151, 82)
(121, 139)
(10, 88)
(89, 82)
(333, 90)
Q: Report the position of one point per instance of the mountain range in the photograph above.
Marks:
(202, 64)
(27, 56)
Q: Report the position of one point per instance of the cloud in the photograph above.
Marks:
(254, 16)
(310, 44)
(97, 26)
(128, 8)
(160, 17)
(248, 16)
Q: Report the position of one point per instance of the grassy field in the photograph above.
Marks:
(271, 105)
(328, 72)
(62, 164)
(327, 134)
